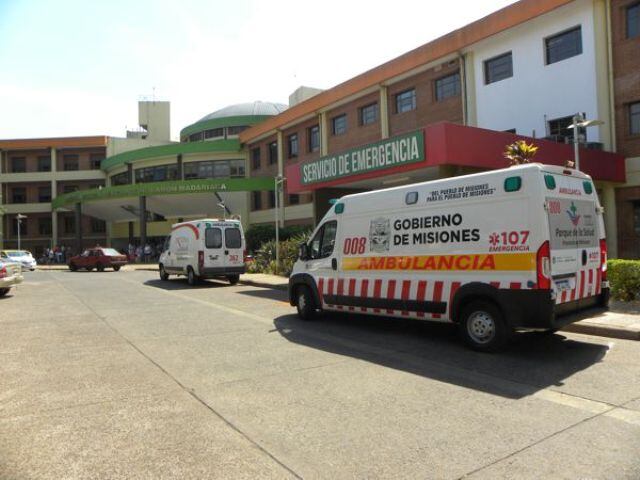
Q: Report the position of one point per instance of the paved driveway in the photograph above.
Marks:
(118, 375)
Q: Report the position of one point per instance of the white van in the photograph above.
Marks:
(206, 248)
(494, 252)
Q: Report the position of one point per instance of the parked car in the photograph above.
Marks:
(24, 257)
(10, 275)
(98, 258)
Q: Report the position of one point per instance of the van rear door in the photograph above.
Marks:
(233, 248)
(574, 236)
(213, 244)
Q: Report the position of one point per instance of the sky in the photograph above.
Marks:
(78, 67)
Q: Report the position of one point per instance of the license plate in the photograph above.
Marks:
(563, 284)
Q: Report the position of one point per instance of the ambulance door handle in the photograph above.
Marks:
(334, 263)
(226, 252)
(584, 257)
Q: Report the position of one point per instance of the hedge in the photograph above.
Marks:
(624, 278)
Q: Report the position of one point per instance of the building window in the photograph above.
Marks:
(18, 195)
(272, 199)
(98, 226)
(236, 130)
(498, 68)
(294, 199)
(23, 226)
(70, 163)
(559, 132)
(237, 168)
(69, 224)
(273, 153)
(511, 130)
(634, 118)
(255, 158)
(369, 114)
(214, 133)
(44, 194)
(406, 101)
(564, 45)
(95, 159)
(339, 125)
(314, 138)
(18, 165)
(636, 217)
(292, 143)
(44, 163)
(447, 87)
(120, 179)
(633, 20)
(44, 226)
(256, 200)
(161, 173)
(70, 188)
(195, 137)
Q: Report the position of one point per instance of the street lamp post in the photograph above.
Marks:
(19, 218)
(279, 180)
(580, 122)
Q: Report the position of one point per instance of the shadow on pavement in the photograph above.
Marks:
(268, 293)
(181, 284)
(533, 362)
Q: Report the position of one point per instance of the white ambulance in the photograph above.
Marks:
(494, 252)
(206, 248)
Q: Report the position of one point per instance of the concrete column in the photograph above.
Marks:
(324, 134)
(280, 192)
(469, 82)
(132, 178)
(130, 225)
(610, 219)
(78, 225)
(180, 166)
(143, 221)
(54, 215)
(54, 160)
(384, 111)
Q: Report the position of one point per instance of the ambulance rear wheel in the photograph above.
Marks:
(192, 278)
(233, 279)
(483, 327)
(164, 276)
(305, 303)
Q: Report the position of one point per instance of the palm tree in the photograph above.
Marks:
(520, 152)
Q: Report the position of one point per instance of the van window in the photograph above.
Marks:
(323, 242)
(512, 184)
(550, 182)
(411, 198)
(232, 238)
(588, 189)
(213, 237)
(167, 241)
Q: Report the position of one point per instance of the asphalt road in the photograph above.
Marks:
(119, 375)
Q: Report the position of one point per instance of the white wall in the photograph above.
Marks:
(535, 90)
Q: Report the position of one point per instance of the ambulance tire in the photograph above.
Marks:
(483, 327)
(233, 279)
(4, 291)
(305, 303)
(164, 276)
(192, 278)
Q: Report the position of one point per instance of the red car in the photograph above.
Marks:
(98, 258)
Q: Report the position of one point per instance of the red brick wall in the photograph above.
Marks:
(428, 110)
(356, 134)
(626, 73)
(84, 156)
(628, 238)
(30, 156)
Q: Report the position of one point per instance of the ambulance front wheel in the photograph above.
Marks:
(305, 303)
(483, 327)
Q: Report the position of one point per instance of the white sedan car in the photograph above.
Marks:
(10, 276)
(23, 257)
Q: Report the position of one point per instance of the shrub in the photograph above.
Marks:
(256, 236)
(265, 257)
(624, 277)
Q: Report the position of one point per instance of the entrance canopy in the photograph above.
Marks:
(169, 199)
(415, 156)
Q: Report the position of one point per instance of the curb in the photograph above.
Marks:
(602, 330)
(253, 283)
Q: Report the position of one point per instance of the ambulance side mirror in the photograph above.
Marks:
(303, 252)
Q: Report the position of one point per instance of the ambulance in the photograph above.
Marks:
(493, 252)
(206, 248)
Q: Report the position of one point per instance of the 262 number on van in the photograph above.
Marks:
(354, 246)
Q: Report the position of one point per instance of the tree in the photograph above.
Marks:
(520, 152)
